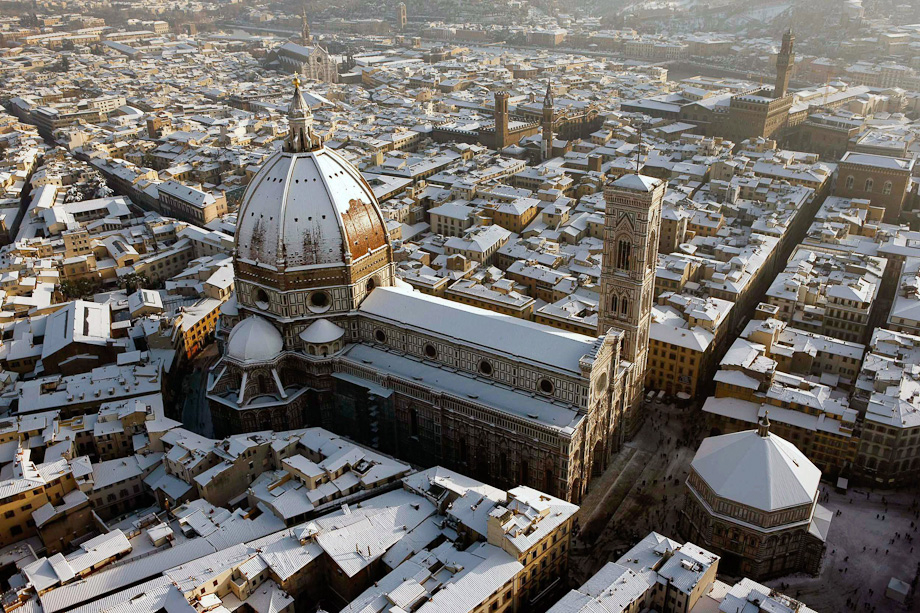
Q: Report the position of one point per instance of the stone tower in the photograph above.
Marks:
(401, 15)
(631, 230)
(785, 61)
(548, 117)
(501, 119)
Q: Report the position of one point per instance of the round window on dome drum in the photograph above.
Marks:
(547, 387)
(319, 302)
(261, 298)
(431, 351)
(380, 335)
(485, 367)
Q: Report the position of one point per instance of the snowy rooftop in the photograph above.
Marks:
(493, 332)
(765, 472)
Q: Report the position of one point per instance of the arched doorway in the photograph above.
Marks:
(576, 491)
(597, 459)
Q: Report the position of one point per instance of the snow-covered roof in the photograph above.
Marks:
(322, 331)
(524, 340)
(254, 340)
(764, 472)
(639, 183)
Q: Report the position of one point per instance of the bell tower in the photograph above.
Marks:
(631, 229)
(305, 35)
(500, 115)
(549, 116)
(785, 60)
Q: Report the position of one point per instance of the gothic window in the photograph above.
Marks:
(624, 253)
(613, 304)
(887, 189)
(869, 184)
(850, 182)
(652, 248)
(624, 306)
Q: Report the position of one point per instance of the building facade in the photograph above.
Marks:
(882, 180)
(329, 337)
(752, 498)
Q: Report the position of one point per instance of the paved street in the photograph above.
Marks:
(196, 416)
(641, 490)
(858, 546)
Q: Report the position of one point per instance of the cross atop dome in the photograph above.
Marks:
(300, 119)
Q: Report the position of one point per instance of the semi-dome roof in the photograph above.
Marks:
(760, 470)
(254, 340)
(307, 206)
(322, 331)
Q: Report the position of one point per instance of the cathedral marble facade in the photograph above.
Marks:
(326, 335)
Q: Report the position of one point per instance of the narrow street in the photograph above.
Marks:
(196, 416)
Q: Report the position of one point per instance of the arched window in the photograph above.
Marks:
(651, 262)
(850, 182)
(624, 253)
(624, 306)
(887, 189)
(613, 304)
(869, 184)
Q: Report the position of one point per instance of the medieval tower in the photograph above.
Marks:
(785, 61)
(631, 228)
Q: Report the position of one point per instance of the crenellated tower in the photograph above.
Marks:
(785, 61)
(549, 116)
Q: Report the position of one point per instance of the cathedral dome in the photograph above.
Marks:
(254, 340)
(307, 206)
(310, 241)
(308, 209)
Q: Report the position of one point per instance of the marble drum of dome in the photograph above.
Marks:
(310, 240)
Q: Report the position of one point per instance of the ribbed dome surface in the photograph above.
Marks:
(306, 209)
(254, 340)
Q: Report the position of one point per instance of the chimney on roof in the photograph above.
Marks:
(763, 428)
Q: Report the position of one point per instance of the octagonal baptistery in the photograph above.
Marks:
(311, 241)
(752, 498)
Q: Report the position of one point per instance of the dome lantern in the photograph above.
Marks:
(300, 119)
(763, 428)
(311, 240)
